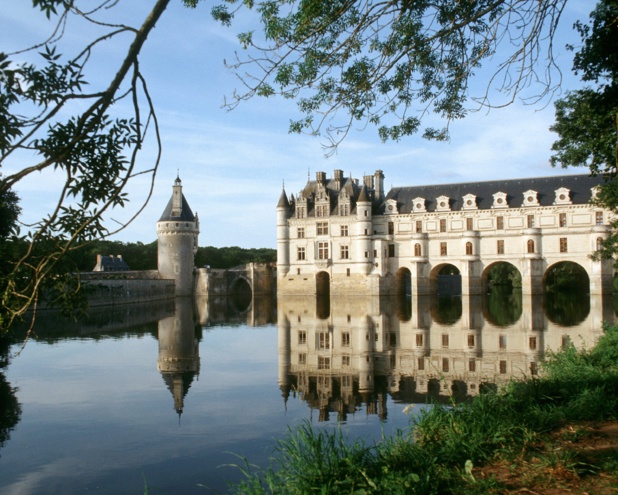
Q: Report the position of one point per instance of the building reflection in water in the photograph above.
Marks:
(179, 357)
(423, 349)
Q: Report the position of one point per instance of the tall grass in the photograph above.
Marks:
(436, 454)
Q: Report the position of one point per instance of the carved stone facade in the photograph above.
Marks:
(348, 237)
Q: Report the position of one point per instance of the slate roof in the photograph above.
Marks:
(186, 215)
(579, 186)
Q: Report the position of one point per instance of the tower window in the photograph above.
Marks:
(443, 249)
(562, 220)
(499, 223)
(500, 246)
(563, 245)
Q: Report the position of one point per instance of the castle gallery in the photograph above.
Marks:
(343, 237)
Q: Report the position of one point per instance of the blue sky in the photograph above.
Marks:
(233, 164)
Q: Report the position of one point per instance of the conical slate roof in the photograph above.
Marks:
(283, 200)
(186, 215)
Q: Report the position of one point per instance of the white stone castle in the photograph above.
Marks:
(340, 236)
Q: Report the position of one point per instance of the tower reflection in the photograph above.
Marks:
(179, 359)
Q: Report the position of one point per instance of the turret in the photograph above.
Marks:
(364, 232)
(283, 236)
(177, 236)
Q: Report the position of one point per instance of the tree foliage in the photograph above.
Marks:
(587, 119)
(391, 63)
(49, 111)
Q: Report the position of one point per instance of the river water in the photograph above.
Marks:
(172, 395)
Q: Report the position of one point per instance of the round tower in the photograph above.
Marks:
(283, 236)
(177, 234)
(364, 231)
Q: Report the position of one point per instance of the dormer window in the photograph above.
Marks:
(500, 200)
(418, 205)
(391, 207)
(469, 202)
(563, 196)
(531, 198)
(443, 203)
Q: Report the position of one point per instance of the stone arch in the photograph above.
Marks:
(241, 294)
(566, 309)
(566, 276)
(445, 279)
(322, 284)
(322, 291)
(501, 273)
(403, 282)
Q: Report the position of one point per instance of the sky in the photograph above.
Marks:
(233, 164)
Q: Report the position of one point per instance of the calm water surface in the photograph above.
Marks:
(170, 394)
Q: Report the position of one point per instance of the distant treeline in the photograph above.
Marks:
(141, 256)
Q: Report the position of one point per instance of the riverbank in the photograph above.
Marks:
(554, 434)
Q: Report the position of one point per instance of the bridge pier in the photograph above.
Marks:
(419, 278)
(601, 277)
(532, 275)
(471, 280)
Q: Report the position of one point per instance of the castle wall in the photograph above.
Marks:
(113, 291)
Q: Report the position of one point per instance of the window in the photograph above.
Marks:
(532, 343)
(323, 363)
(393, 339)
(302, 358)
(444, 340)
(391, 250)
(562, 220)
(419, 340)
(471, 340)
(344, 231)
(420, 364)
(442, 225)
(530, 221)
(322, 250)
(445, 366)
(322, 228)
(502, 341)
(347, 272)
(468, 248)
(563, 245)
(300, 232)
(417, 250)
(500, 223)
(443, 249)
(344, 209)
(301, 253)
(599, 243)
(321, 211)
(419, 226)
(300, 212)
(391, 228)
(530, 246)
(302, 337)
(502, 367)
(598, 218)
(472, 364)
(469, 224)
(345, 252)
(345, 339)
(345, 360)
(393, 361)
(323, 340)
(534, 369)
(566, 341)
(500, 247)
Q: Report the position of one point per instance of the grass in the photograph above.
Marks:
(534, 433)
